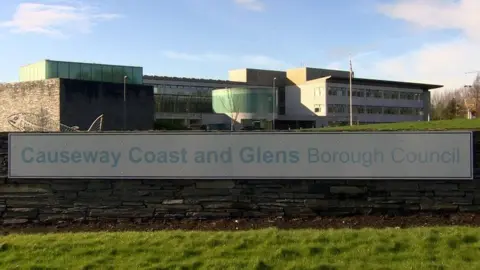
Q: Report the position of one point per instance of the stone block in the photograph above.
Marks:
(2, 208)
(440, 193)
(73, 186)
(15, 221)
(350, 190)
(455, 200)
(138, 204)
(438, 187)
(438, 206)
(129, 185)
(59, 214)
(299, 212)
(31, 202)
(194, 192)
(393, 186)
(215, 184)
(21, 213)
(100, 204)
(25, 188)
(94, 194)
(208, 215)
(405, 194)
(308, 196)
(193, 200)
(169, 216)
(470, 208)
(177, 201)
(174, 207)
(99, 185)
(255, 214)
(122, 213)
(319, 188)
(218, 205)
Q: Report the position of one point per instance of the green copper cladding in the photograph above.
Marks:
(49, 69)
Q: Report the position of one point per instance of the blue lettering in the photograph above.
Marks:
(395, 155)
(131, 155)
(261, 156)
(24, 158)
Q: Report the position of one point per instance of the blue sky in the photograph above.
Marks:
(433, 41)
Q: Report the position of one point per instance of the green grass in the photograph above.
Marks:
(457, 124)
(418, 248)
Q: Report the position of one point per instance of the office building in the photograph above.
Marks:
(299, 98)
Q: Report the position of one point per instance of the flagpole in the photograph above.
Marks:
(350, 96)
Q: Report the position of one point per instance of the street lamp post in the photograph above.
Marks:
(273, 103)
(125, 102)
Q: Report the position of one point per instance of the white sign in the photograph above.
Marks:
(357, 155)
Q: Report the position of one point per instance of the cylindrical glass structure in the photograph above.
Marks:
(256, 101)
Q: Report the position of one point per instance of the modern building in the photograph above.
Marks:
(295, 98)
(301, 98)
(188, 100)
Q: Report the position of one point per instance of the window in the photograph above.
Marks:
(390, 110)
(368, 93)
(317, 108)
(374, 110)
(358, 109)
(337, 108)
(377, 94)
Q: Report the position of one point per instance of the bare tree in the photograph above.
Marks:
(230, 103)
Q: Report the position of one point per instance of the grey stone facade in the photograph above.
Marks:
(44, 200)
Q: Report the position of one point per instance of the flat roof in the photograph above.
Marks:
(73, 62)
(387, 83)
(185, 79)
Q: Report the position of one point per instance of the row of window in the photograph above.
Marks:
(188, 91)
(183, 104)
(359, 109)
(370, 93)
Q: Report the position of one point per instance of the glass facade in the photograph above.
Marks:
(48, 69)
(170, 103)
(243, 100)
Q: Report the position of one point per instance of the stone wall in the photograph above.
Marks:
(45, 200)
(37, 97)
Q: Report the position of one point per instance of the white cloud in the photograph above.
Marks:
(55, 19)
(254, 5)
(435, 62)
(251, 61)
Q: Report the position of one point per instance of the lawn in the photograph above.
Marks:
(457, 124)
(418, 248)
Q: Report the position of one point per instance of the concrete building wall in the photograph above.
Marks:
(302, 100)
(27, 98)
(83, 101)
(302, 75)
(258, 77)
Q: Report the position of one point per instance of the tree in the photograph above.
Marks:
(450, 111)
(231, 105)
